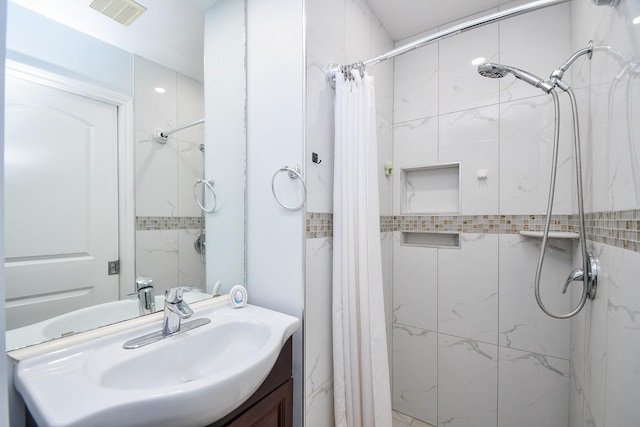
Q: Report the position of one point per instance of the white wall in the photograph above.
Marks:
(470, 345)
(275, 137)
(338, 31)
(225, 97)
(605, 337)
(43, 43)
(4, 406)
(168, 32)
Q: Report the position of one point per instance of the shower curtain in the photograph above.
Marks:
(362, 396)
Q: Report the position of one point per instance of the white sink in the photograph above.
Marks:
(190, 379)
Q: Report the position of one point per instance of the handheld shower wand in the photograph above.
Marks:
(588, 273)
(496, 71)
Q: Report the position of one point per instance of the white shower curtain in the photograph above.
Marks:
(362, 396)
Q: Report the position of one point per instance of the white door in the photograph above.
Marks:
(61, 201)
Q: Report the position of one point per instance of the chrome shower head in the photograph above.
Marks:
(496, 71)
(492, 70)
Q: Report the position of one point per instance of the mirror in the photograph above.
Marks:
(62, 197)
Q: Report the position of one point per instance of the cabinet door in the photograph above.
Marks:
(275, 410)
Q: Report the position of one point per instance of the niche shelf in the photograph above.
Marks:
(431, 190)
(431, 240)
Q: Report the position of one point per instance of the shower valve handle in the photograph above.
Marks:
(576, 274)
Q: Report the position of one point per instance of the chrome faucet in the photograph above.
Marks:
(146, 297)
(175, 309)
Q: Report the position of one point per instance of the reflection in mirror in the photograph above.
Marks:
(61, 151)
(71, 206)
(168, 219)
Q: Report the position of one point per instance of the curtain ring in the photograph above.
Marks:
(208, 183)
(294, 172)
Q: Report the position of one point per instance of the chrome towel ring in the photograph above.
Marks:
(208, 183)
(293, 171)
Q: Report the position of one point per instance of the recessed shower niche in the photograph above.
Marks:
(430, 189)
(431, 240)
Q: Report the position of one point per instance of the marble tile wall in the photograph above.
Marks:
(168, 219)
(605, 337)
(470, 345)
(463, 323)
(475, 305)
(329, 41)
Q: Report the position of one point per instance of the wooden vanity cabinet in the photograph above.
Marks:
(272, 404)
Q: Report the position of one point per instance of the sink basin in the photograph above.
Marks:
(236, 342)
(190, 379)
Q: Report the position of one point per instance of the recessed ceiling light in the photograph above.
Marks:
(636, 20)
(478, 61)
(160, 90)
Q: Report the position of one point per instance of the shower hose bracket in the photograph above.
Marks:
(594, 269)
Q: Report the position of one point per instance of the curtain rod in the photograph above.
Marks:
(162, 135)
(332, 69)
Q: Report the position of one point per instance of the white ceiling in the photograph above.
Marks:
(405, 18)
(170, 32)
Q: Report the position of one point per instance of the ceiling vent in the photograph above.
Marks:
(123, 11)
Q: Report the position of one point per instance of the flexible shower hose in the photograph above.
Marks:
(552, 186)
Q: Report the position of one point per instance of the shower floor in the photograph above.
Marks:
(402, 420)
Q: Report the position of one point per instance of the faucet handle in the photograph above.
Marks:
(174, 295)
(143, 282)
(575, 275)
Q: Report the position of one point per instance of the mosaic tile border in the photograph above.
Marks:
(388, 224)
(483, 224)
(614, 228)
(146, 223)
(319, 225)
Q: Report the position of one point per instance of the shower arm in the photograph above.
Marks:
(628, 64)
(556, 76)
